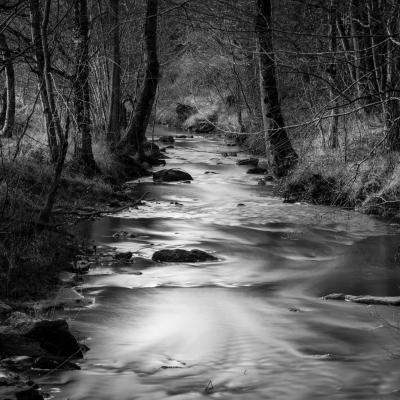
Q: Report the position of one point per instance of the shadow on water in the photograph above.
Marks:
(251, 325)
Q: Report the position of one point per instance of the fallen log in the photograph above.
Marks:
(365, 299)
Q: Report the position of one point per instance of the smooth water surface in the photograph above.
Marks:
(251, 325)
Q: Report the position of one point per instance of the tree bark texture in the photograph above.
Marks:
(9, 116)
(39, 44)
(136, 132)
(333, 93)
(282, 155)
(83, 139)
(114, 117)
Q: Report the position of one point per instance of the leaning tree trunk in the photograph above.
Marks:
(114, 117)
(333, 97)
(9, 117)
(39, 44)
(281, 153)
(83, 140)
(136, 132)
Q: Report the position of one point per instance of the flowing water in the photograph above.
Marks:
(251, 325)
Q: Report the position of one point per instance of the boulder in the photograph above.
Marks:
(171, 175)
(123, 256)
(56, 338)
(29, 394)
(180, 255)
(248, 161)
(25, 336)
(151, 149)
(257, 171)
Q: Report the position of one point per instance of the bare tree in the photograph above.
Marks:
(136, 132)
(40, 46)
(83, 140)
(9, 105)
(333, 93)
(113, 129)
(282, 155)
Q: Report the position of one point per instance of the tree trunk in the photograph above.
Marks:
(45, 213)
(83, 140)
(334, 121)
(136, 132)
(41, 69)
(281, 153)
(3, 108)
(354, 7)
(113, 128)
(9, 120)
(392, 103)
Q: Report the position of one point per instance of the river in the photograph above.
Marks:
(251, 325)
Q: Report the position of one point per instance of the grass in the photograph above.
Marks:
(31, 258)
(360, 174)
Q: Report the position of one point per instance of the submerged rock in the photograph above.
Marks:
(180, 255)
(119, 235)
(166, 139)
(257, 171)
(171, 175)
(248, 161)
(229, 154)
(29, 394)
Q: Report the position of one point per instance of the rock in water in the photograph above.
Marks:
(180, 255)
(248, 161)
(257, 171)
(56, 338)
(30, 394)
(171, 175)
(124, 256)
(166, 139)
(25, 336)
